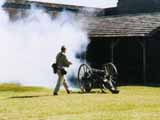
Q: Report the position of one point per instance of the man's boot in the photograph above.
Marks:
(66, 87)
(55, 94)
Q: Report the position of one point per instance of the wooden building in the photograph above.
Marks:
(130, 41)
(134, 7)
(128, 35)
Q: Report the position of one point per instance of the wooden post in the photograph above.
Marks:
(113, 44)
(112, 51)
(144, 61)
(143, 44)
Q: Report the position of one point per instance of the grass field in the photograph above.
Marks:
(30, 103)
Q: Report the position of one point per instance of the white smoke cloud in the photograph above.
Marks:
(29, 46)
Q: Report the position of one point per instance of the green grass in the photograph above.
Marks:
(32, 103)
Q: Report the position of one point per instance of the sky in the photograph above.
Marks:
(89, 3)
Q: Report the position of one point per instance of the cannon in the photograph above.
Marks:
(103, 78)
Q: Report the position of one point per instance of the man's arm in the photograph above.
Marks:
(66, 62)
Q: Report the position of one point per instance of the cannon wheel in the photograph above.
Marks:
(111, 69)
(84, 73)
(112, 74)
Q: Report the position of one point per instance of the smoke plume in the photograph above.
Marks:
(29, 46)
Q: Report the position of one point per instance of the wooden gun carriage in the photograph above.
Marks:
(105, 78)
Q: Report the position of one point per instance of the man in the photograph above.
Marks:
(61, 61)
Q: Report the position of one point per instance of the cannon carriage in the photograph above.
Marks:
(104, 78)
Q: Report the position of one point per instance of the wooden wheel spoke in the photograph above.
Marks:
(83, 72)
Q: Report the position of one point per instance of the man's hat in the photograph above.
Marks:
(63, 48)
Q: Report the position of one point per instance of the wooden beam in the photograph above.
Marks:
(143, 44)
(112, 46)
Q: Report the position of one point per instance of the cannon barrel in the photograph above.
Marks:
(97, 70)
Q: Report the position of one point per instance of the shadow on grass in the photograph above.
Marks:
(27, 96)
(91, 92)
(73, 92)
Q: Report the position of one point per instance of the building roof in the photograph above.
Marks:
(50, 6)
(138, 25)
